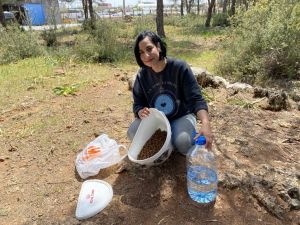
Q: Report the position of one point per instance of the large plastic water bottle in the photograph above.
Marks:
(202, 180)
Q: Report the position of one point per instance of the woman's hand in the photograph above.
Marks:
(205, 129)
(143, 113)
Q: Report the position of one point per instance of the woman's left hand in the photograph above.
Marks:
(206, 131)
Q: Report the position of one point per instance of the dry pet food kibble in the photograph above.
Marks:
(153, 145)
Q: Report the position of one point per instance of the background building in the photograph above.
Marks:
(35, 12)
(51, 10)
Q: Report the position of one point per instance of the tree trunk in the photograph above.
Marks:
(189, 5)
(2, 19)
(181, 7)
(198, 7)
(52, 12)
(160, 18)
(224, 6)
(85, 9)
(246, 4)
(92, 15)
(211, 4)
(124, 10)
(232, 10)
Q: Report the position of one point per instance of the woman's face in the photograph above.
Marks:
(149, 52)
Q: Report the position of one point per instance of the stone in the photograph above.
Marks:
(294, 193)
(295, 96)
(277, 100)
(206, 79)
(131, 82)
(284, 196)
(246, 151)
(295, 204)
(221, 81)
(260, 92)
(239, 86)
(241, 141)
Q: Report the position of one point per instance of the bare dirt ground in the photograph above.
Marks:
(257, 152)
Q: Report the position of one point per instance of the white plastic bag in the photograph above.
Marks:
(99, 154)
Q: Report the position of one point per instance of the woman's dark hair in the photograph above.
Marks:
(155, 39)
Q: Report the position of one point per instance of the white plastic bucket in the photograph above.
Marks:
(148, 126)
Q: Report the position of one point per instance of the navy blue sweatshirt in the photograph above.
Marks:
(173, 91)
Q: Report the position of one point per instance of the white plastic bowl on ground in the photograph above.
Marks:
(94, 196)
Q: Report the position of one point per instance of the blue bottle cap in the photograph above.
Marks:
(201, 140)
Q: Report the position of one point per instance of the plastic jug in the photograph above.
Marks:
(202, 177)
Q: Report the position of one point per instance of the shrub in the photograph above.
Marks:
(16, 44)
(191, 24)
(50, 37)
(172, 20)
(87, 24)
(103, 44)
(189, 20)
(263, 42)
(144, 23)
(220, 19)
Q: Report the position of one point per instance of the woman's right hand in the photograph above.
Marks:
(143, 113)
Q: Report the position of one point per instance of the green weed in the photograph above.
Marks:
(206, 96)
(66, 89)
(243, 103)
